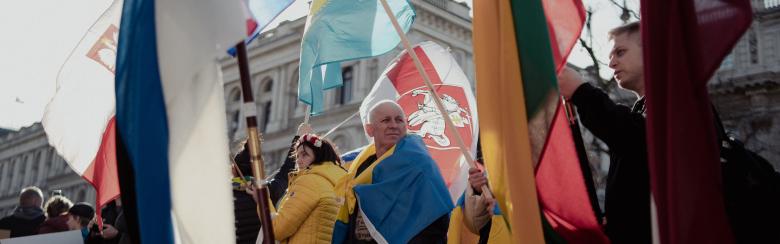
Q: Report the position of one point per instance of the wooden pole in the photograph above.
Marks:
(250, 112)
(576, 133)
(436, 98)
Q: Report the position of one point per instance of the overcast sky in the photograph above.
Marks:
(38, 35)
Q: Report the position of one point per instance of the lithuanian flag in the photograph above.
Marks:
(527, 144)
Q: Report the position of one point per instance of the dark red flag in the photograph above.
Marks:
(684, 42)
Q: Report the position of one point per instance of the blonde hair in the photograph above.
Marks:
(630, 28)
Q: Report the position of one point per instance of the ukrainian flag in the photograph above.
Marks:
(341, 30)
(399, 195)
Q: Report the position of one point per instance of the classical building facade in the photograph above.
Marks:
(274, 68)
(746, 88)
(26, 159)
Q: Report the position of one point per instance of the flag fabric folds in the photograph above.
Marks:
(401, 82)
(340, 30)
(260, 13)
(459, 233)
(79, 120)
(519, 47)
(170, 117)
(400, 194)
(684, 41)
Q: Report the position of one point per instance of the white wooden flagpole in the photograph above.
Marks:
(436, 98)
(308, 113)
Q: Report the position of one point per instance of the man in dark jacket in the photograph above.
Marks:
(627, 203)
(27, 216)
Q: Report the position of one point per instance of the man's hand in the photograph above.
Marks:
(303, 129)
(109, 232)
(490, 203)
(477, 179)
(568, 81)
(250, 189)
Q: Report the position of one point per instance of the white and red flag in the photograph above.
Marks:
(79, 120)
(402, 83)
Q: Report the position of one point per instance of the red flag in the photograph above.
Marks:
(684, 41)
(562, 192)
(563, 195)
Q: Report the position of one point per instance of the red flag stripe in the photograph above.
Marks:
(102, 173)
(406, 71)
(561, 187)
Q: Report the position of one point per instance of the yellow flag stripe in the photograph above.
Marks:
(503, 120)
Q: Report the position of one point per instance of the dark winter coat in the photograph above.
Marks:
(627, 203)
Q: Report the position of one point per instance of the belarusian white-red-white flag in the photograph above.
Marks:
(401, 82)
(79, 120)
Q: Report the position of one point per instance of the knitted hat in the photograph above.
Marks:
(82, 209)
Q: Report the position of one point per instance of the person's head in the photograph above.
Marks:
(313, 150)
(626, 57)
(80, 215)
(57, 205)
(31, 197)
(386, 123)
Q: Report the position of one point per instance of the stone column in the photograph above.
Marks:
(45, 152)
(16, 163)
(28, 172)
(5, 174)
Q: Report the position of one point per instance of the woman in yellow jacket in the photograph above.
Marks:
(308, 210)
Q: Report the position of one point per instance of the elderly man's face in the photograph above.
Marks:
(388, 125)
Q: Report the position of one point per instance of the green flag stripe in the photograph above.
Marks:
(533, 45)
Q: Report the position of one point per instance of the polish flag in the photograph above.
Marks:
(79, 120)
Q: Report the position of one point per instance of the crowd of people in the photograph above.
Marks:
(361, 219)
(377, 197)
(32, 217)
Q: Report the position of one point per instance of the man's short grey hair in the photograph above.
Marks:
(380, 103)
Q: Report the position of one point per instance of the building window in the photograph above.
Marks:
(268, 86)
(265, 100)
(266, 116)
(234, 119)
(753, 47)
(234, 107)
(345, 92)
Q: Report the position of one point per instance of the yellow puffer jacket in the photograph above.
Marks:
(307, 212)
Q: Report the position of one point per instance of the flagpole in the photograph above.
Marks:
(340, 124)
(250, 112)
(574, 123)
(307, 114)
(436, 98)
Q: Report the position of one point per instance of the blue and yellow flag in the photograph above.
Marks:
(398, 196)
(340, 30)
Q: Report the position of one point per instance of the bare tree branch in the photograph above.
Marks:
(625, 10)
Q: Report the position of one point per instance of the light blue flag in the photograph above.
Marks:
(341, 30)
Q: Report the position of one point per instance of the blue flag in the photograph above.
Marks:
(169, 99)
(340, 30)
(399, 195)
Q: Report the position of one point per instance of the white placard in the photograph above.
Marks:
(66, 237)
